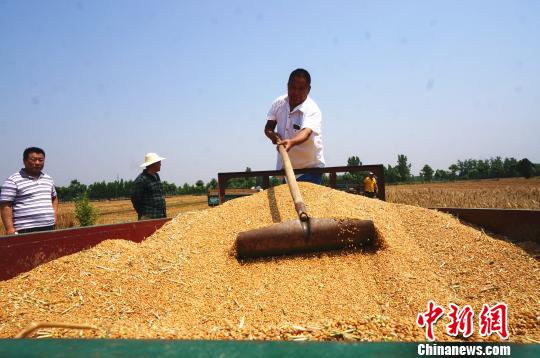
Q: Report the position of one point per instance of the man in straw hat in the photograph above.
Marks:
(147, 194)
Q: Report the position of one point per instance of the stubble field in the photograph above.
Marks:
(510, 193)
(119, 211)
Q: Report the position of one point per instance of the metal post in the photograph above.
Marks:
(333, 180)
(266, 182)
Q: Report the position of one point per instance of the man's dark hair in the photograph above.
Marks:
(300, 72)
(37, 150)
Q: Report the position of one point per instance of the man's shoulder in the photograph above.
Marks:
(10, 187)
(144, 177)
(47, 176)
(310, 106)
(15, 177)
(280, 101)
(140, 177)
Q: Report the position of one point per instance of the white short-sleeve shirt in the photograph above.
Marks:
(31, 198)
(306, 115)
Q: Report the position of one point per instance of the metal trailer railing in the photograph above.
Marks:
(377, 169)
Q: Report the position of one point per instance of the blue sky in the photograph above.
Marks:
(97, 84)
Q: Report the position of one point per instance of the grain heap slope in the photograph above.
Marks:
(184, 282)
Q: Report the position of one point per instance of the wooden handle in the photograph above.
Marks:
(293, 185)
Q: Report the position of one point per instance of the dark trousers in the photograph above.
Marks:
(369, 194)
(311, 178)
(35, 229)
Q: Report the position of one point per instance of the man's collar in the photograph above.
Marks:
(154, 175)
(300, 107)
(25, 174)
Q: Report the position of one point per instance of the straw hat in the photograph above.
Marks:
(149, 159)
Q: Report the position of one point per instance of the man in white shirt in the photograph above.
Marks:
(28, 200)
(294, 121)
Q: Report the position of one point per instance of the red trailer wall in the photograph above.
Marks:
(21, 253)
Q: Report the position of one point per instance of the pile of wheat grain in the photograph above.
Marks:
(184, 282)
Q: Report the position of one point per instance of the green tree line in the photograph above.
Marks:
(400, 173)
(462, 170)
(122, 189)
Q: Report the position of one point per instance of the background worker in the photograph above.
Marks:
(28, 201)
(370, 186)
(147, 195)
(294, 121)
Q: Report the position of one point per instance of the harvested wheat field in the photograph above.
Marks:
(508, 193)
(184, 281)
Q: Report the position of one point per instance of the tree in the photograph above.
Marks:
(526, 168)
(212, 184)
(169, 188)
(482, 167)
(403, 168)
(242, 182)
(426, 173)
(85, 213)
(199, 186)
(250, 182)
(465, 167)
(474, 174)
(441, 175)
(391, 174)
(510, 167)
(74, 190)
(453, 170)
(325, 180)
(354, 160)
(275, 181)
(345, 178)
(97, 190)
(497, 167)
(187, 189)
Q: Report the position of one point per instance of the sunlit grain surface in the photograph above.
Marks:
(184, 282)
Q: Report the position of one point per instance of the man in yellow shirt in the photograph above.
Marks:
(370, 186)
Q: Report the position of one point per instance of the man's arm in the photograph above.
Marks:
(300, 138)
(136, 195)
(55, 208)
(269, 131)
(6, 211)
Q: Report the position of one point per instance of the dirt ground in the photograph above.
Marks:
(117, 211)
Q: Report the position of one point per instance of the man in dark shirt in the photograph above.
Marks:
(147, 195)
